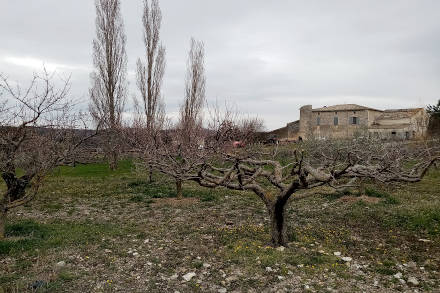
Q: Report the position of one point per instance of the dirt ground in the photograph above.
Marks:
(118, 233)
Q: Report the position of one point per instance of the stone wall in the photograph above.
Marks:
(293, 130)
(394, 127)
(305, 120)
(320, 123)
(344, 128)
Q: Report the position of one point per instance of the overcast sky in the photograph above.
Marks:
(265, 57)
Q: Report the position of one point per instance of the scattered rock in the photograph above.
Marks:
(107, 251)
(269, 269)
(413, 281)
(174, 277)
(424, 240)
(398, 275)
(280, 278)
(206, 265)
(187, 277)
(222, 290)
(347, 259)
(337, 253)
(281, 248)
(135, 254)
(412, 265)
(231, 279)
(61, 264)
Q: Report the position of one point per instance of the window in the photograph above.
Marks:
(318, 120)
(335, 121)
(354, 120)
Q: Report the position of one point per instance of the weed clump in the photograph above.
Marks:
(388, 198)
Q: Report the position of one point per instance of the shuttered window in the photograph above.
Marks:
(354, 120)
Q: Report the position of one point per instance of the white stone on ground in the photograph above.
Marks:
(173, 277)
(413, 281)
(187, 277)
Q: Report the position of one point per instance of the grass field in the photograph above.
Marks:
(92, 230)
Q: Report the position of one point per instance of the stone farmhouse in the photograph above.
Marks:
(350, 120)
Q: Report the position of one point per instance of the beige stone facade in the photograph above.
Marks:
(350, 120)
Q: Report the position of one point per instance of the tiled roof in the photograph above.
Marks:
(343, 107)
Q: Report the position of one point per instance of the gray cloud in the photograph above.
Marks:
(266, 57)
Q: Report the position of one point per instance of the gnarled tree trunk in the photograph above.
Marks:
(278, 225)
(179, 189)
(16, 190)
(113, 160)
(3, 217)
(150, 173)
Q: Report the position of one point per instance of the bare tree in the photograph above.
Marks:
(338, 164)
(180, 150)
(38, 115)
(191, 110)
(109, 87)
(150, 73)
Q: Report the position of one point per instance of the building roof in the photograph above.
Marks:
(396, 114)
(343, 107)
